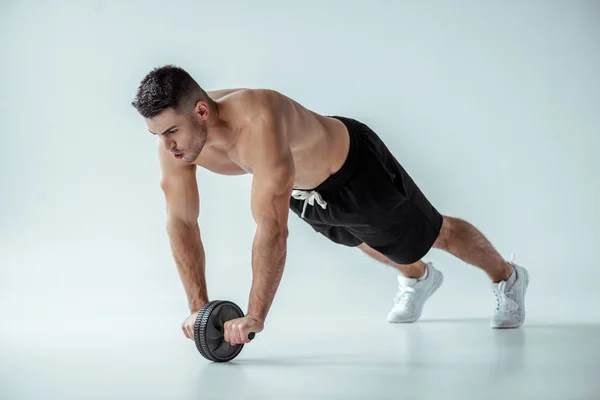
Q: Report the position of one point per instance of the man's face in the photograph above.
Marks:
(182, 135)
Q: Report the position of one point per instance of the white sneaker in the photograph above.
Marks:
(510, 299)
(412, 294)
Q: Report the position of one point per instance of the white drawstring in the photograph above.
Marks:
(309, 198)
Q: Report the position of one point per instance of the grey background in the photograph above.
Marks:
(492, 107)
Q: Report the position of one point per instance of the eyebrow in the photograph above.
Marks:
(166, 130)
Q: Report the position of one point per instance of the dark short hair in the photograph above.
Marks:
(168, 86)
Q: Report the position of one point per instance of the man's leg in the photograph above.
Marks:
(461, 239)
(464, 241)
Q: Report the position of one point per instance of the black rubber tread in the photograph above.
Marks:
(199, 328)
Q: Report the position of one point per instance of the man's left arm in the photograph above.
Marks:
(270, 157)
(273, 180)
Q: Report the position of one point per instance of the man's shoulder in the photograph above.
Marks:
(252, 97)
(255, 105)
(262, 114)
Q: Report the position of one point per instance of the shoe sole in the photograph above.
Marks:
(518, 324)
(433, 289)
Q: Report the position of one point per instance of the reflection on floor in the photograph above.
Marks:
(351, 359)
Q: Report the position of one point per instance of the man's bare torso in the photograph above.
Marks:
(319, 144)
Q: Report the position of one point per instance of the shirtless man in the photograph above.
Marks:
(334, 172)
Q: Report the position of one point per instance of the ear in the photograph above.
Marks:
(202, 109)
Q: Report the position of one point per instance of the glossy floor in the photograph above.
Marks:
(363, 358)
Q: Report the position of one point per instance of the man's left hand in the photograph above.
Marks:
(236, 330)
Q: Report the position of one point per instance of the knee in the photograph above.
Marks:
(445, 234)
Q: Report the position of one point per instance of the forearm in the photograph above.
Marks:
(268, 260)
(188, 253)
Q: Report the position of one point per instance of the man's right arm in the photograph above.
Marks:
(178, 183)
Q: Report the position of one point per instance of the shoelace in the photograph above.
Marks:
(403, 295)
(309, 197)
(405, 291)
(504, 303)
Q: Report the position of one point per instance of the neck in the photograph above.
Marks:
(220, 132)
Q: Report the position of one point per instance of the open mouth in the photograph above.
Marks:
(179, 155)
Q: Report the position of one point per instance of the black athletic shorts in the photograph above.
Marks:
(371, 199)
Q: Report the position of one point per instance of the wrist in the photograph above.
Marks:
(256, 317)
(196, 307)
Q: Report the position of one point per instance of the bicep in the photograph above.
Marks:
(273, 169)
(179, 185)
(271, 190)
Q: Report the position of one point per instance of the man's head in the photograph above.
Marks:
(176, 109)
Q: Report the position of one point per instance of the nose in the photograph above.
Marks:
(168, 144)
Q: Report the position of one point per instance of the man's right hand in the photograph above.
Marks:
(188, 325)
